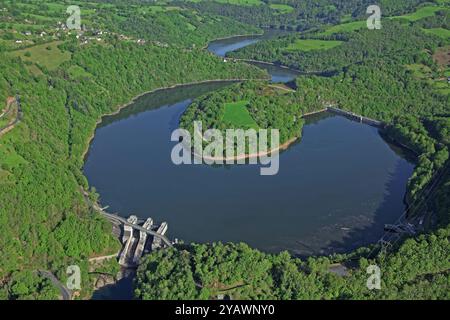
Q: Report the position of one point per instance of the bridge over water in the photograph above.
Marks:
(134, 247)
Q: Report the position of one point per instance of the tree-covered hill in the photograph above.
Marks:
(376, 76)
(419, 269)
(64, 81)
(395, 41)
(22, 23)
(380, 74)
(301, 15)
(268, 107)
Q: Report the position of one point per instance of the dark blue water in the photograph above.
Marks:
(222, 47)
(335, 190)
(278, 74)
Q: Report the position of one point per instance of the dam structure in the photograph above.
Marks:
(142, 240)
(354, 116)
(162, 231)
(128, 240)
(139, 239)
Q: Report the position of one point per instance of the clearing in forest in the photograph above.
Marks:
(47, 55)
(236, 114)
(311, 44)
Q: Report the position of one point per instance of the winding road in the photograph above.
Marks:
(65, 293)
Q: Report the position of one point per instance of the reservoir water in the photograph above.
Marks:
(277, 73)
(335, 190)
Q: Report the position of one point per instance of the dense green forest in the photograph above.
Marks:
(45, 221)
(65, 81)
(375, 70)
(397, 42)
(419, 269)
(269, 107)
(162, 24)
(297, 15)
(375, 75)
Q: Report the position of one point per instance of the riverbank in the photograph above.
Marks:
(234, 36)
(271, 64)
(133, 100)
(282, 147)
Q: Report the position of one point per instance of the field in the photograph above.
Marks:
(309, 45)
(282, 8)
(345, 27)
(47, 55)
(157, 9)
(236, 114)
(421, 13)
(442, 57)
(242, 2)
(440, 32)
(424, 73)
(77, 72)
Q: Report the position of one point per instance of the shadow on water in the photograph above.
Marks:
(363, 231)
(121, 290)
(161, 98)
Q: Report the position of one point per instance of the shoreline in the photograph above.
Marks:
(304, 73)
(234, 36)
(271, 64)
(133, 100)
(282, 147)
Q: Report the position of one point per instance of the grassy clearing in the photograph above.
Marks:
(440, 32)
(419, 70)
(282, 8)
(77, 72)
(242, 2)
(345, 27)
(310, 44)
(9, 158)
(237, 115)
(278, 88)
(421, 13)
(442, 57)
(158, 9)
(424, 73)
(47, 55)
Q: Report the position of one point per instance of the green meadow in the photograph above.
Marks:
(311, 44)
(345, 27)
(282, 8)
(236, 114)
(242, 2)
(421, 13)
(47, 55)
(440, 32)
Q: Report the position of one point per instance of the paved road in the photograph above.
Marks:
(66, 294)
(137, 227)
(116, 218)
